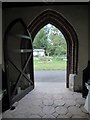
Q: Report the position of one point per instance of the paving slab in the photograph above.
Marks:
(70, 103)
(78, 105)
(62, 116)
(75, 111)
(77, 95)
(19, 116)
(34, 116)
(77, 116)
(36, 102)
(48, 96)
(69, 114)
(59, 102)
(41, 114)
(48, 102)
(83, 109)
(57, 96)
(80, 101)
(35, 110)
(55, 114)
(61, 110)
(7, 115)
(48, 116)
(48, 110)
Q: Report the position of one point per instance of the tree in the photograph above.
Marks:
(58, 42)
(41, 41)
(50, 39)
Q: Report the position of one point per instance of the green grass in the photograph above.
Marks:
(54, 64)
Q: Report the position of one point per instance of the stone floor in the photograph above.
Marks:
(49, 100)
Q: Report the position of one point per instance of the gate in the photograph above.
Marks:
(18, 54)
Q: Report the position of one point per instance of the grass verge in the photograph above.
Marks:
(49, 64)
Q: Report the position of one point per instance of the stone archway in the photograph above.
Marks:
(56, 19)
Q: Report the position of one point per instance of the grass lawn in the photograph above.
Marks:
(49, 64)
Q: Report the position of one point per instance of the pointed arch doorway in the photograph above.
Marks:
(54, 18)
(49, 53)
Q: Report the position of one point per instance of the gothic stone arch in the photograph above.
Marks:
(56, 19)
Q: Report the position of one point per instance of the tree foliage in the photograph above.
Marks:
(40, 40)
(52, 40)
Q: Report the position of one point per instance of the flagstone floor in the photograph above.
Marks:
(49, 100)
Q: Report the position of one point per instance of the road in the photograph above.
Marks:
(50, 76)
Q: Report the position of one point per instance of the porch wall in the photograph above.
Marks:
(77, 15)
(0, 54)
(0, 33)
(89, 35)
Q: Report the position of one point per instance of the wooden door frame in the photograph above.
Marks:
(56, 19)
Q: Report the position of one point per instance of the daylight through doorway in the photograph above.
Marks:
(50, 55)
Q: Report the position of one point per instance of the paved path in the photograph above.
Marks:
(50, 76)
(49, 100)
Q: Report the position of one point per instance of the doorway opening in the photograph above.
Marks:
(50, 55)
(50, 16)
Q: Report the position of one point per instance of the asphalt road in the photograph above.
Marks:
(50, 76)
